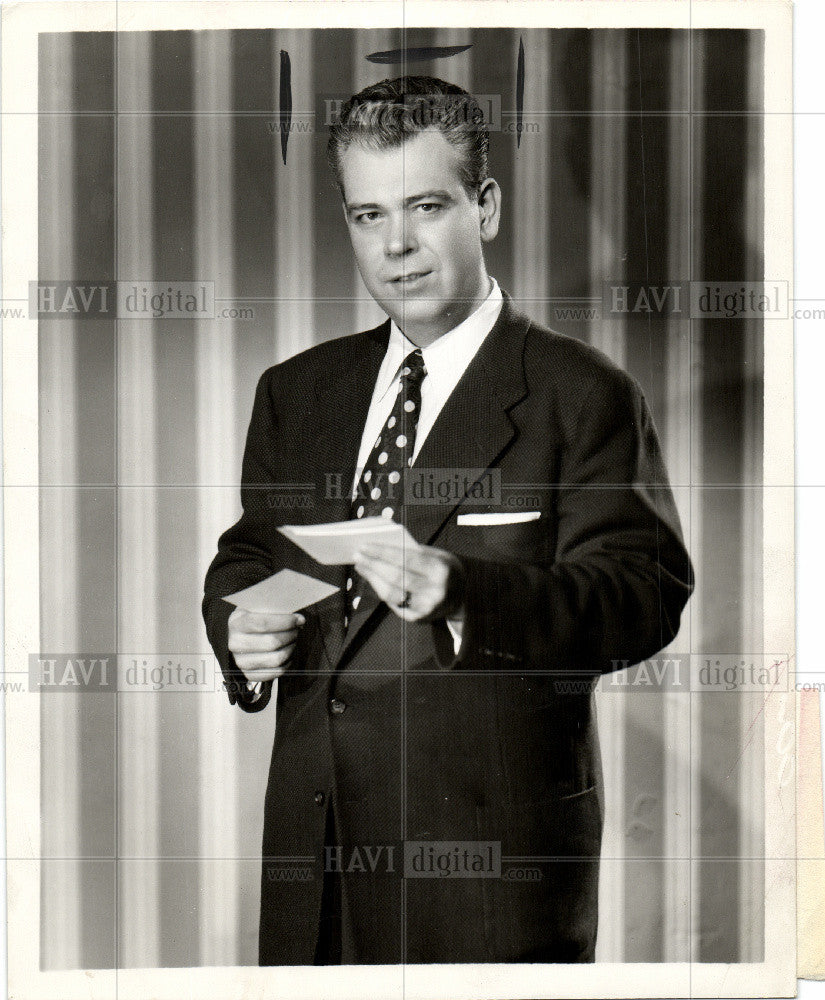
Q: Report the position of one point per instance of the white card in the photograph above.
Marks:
(336, 544)
(282, 593)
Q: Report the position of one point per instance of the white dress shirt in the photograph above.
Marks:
(446, 360)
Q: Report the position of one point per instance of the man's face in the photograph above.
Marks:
(416, 232)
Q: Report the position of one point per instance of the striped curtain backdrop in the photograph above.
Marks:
(160, 158)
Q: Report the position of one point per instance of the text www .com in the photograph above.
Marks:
(290, 874)
(275, 128)
(288, 501)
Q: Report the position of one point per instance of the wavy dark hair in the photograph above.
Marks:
(386, 114)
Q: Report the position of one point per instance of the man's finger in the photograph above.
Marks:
(402, 603)
(408, 603)
(260, 642)
(384, 577)
(392, 569)
(252, 663)
(411, 557)
(256, 621)
(388, 589)
(404, 579)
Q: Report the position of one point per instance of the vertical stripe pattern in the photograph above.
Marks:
(750, 786)
(677, 444)
(531, 281)
(215, 360)
(139, 890)
(607, 230)
(695, 185)
(59, 524)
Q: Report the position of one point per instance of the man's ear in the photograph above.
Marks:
(489, 209)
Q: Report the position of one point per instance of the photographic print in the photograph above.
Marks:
(399, 499)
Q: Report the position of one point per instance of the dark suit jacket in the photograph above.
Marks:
(407, 740)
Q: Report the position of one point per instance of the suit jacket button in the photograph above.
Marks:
(320, 798)
(337, 707)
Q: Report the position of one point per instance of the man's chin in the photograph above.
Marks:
(410, 309)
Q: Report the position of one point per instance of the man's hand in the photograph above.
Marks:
(262, 644)
(419, 583)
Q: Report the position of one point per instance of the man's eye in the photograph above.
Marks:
(429, 207)
(366, 217)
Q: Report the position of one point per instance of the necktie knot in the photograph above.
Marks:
(413, 368)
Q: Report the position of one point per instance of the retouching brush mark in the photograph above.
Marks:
(421, 54)
(286, 101)
(394, 57)
(519, 91)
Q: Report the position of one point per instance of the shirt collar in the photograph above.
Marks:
(452, 352)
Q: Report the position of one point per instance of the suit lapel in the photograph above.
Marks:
(472, 430)
(474, 427)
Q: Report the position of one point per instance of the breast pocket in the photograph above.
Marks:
(527, 541)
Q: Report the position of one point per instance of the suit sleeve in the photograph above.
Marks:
(621, 576)
(244, 550)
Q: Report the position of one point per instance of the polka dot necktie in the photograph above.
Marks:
(381, 486)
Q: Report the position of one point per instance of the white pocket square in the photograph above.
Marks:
(484, 520)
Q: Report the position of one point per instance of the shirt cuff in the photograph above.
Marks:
(254, 688)
(456, 631)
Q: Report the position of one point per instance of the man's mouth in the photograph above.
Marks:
(409, 278)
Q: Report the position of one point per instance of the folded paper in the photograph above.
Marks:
(283, 592)
(336, 544)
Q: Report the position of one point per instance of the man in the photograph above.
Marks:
(420, 719)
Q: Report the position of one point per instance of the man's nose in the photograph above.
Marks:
(399, 236)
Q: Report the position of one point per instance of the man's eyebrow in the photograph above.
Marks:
(373, 206)
(443, 195)
(365, 206)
